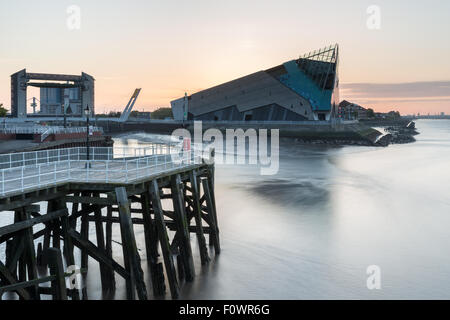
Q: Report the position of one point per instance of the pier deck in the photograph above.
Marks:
(124, 186)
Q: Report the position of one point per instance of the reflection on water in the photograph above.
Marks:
(312, 230)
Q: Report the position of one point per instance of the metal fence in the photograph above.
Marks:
(118, 165)
(33, 158)
(38, 129)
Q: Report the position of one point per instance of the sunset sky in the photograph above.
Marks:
(169, 47)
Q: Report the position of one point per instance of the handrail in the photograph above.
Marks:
(37, 129)
(74, 167)
(12, 160)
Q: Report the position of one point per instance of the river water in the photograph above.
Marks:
(312, 230)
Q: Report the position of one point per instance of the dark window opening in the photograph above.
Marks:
(321, 116)
(248, 117)
(216, 118)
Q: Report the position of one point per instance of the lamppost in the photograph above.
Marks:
(86, 111)
(63, 107)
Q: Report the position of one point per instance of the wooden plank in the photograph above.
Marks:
(164, 239)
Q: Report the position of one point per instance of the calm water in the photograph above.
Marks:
(311, 231)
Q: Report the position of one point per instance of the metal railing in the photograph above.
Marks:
(33, 158)
(106, 165)
(38, 129)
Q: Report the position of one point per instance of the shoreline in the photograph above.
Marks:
(358, 134)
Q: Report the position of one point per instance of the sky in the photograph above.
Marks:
(171, 47)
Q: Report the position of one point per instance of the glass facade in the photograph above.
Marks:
(315, 77)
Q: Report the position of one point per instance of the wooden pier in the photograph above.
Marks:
(173, 199)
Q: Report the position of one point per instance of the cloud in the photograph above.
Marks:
(398, 91)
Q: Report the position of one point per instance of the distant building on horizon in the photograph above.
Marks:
(59, 93)
(352, 111)
(303, 89)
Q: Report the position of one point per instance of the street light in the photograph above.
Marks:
(86, 112)
(63, 107)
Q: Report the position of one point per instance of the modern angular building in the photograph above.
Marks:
(302, 89)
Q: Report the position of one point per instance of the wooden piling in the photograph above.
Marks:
(198, 218)
(151, 246)
(130, 253)
(164, 240)
(56, 268)
(182, 228)
(214, 234)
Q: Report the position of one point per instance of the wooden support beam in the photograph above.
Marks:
(73, 217)
(183, 230)
(97, 254)
(84, 231)
(108, 244)
(14, 250)
(107, 277)
(68, 244)
(8, 278)
(56, 268)
(29, 253)
(12, 204)
(214, 235)
(31, 222)
(198, 218)
(86, 210)
(151, 246)
(130, 252)
(164, 240)
(89, 200)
